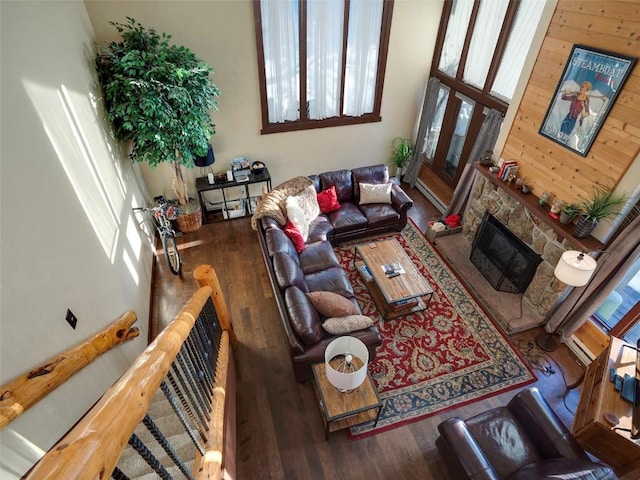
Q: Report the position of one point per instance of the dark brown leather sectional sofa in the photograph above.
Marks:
(316, 268)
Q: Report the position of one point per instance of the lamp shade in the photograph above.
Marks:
(346, 360)
(206, 160)
(575, 268)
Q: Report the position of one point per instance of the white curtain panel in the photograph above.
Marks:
(281, 60)
(483, 41)
(524, 29)
(454, 38)
(363, 46)
(324, 57)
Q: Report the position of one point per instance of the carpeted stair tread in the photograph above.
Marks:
(134, 466)
(163, 415)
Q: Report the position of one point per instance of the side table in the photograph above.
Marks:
(342, 410)
(203, 185)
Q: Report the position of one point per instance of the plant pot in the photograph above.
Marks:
(565, 219)
(584, 226)
(190, 218)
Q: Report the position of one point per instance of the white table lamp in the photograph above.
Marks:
(346, 360)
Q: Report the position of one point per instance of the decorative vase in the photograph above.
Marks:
(207, 160)
(584, 226)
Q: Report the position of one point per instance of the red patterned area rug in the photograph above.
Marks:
(441, 358)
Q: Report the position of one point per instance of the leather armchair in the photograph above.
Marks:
(524, 440)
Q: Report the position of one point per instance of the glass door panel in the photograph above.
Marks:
(621, 303)
(433, 132)
(458, 138)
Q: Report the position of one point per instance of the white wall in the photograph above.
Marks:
(67, 237)
(222, 33)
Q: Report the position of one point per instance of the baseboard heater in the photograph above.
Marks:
(580, 350)
(426, 191)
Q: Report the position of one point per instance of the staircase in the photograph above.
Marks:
(176, 435)
(174, 407)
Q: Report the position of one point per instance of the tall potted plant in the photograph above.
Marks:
(401, 151)
(159, 97)
(602, 204)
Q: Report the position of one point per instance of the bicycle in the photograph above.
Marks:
(162, 214)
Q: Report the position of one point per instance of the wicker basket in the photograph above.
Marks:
(191, 220)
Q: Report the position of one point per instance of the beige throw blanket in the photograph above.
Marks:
(273, 204)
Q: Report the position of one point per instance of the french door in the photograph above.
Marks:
(458, 127)
(478, 57)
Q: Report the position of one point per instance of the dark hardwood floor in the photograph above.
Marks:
(279, 429)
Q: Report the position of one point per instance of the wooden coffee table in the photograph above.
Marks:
(342, 410)
(406, 293)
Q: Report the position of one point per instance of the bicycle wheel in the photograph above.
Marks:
(171, 253)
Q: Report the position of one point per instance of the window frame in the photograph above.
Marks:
(481, 97)
(304, 123)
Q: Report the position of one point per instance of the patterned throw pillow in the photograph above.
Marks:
(331, 304)
(350, 323)
(308, 202)
(296, 216)
(375, 193)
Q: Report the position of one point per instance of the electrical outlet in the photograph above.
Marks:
(71, 319)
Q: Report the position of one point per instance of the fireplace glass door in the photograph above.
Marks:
(505, 261)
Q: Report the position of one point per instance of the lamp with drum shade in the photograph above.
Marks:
(574, 269)
(206, 161)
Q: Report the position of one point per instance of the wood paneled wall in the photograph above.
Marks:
(547, 166)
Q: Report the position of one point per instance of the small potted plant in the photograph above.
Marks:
(401, 152)
(568, 213)
(602, 204)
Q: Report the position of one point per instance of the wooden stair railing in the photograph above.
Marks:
(182, 355)
(26, 390)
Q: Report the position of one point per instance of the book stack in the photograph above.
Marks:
(404, 304)
(392, 269)
(366, 273)
(507, 168)
(241, 169)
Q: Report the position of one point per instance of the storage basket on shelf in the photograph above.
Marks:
(234, 209)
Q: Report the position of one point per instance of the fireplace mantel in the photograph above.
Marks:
(530, 201)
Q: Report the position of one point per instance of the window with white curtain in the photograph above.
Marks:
(483, 41)
(518, 45)
(324, 55)
(454, 38)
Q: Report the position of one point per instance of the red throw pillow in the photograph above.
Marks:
(328, 200)
(294, 234)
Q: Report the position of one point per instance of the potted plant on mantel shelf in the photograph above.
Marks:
(602, 204)
(159, 97)
(568, 213)
(401, 151)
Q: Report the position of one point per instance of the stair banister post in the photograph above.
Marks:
(205, 275)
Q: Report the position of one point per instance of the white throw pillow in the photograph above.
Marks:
(296, 217)
(350, 323)
(308, 202)
(375, 193)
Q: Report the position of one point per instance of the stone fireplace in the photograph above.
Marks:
(505, 261)
(544, 289)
